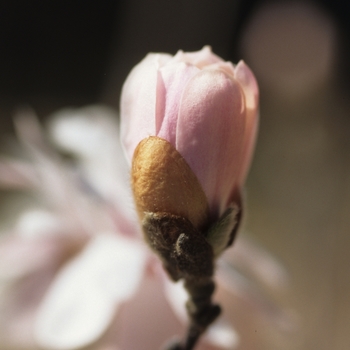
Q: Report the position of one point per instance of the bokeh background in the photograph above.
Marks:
(72, 53)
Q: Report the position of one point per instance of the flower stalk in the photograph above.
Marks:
(187, 252)
(201, 310)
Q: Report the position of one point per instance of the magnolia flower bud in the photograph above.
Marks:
(189, 125)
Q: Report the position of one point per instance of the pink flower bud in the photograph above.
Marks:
(205, 107)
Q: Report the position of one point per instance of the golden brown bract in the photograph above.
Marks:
(162, 181)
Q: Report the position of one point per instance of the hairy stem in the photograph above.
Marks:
(200, 309)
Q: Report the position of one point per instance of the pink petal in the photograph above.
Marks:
(20, 257)
(249, 85)
(199, 58)
(27, 267)
(82, 301)
(138, 102)
(86, 132)
(172, 80)
(227, 67)
(210, 132)
(58, 184)
(39, 224)
(18, 305)
(146, 321)
(251, 92)
(17, 174)
(92, 134)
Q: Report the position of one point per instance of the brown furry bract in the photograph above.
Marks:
(162, 181)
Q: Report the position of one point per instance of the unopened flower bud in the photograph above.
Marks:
(188, 126)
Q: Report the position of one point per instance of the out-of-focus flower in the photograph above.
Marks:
(207, 109)
(74, 272)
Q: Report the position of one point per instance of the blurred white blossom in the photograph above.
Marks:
(74, 271)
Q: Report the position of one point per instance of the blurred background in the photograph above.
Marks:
(72, 53)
